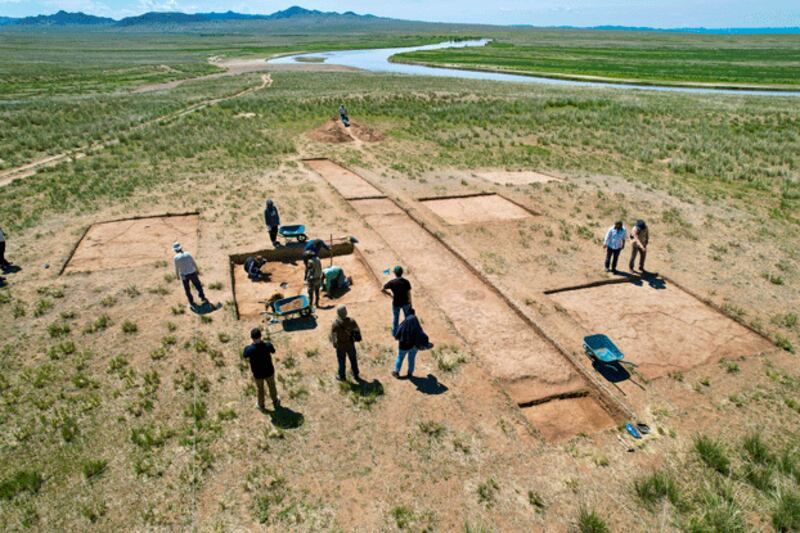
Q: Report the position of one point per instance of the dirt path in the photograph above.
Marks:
(554, 396)
(28, 169)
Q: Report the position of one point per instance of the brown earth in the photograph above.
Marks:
(349, 184)
(132, 243)
(475, 209)
(523, 362)
(286, 278)
(661, 329)
(334, 132)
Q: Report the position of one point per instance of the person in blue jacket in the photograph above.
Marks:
(273, 221)
(411, 338)
(315, 246)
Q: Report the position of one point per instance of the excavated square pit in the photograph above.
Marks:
(660, 328)
(133, 242)
(474, 209)
(287, 279)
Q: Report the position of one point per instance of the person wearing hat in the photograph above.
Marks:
(273, 221)
(186, 270)
(640, 237)
(411, 338)
(344, 336)
(400, 290)
(614, 243)
(313, 277)
(259, 354)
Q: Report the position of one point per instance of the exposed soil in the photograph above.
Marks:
(349, 184)
(474, 209)
(131, 243)
(516, 178)
(334, 132)
(286, 279)
(661, 330)
(523, 362)
(562, 418)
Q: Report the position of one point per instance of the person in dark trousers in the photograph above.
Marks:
(411, 338)
(313, 277)
(315, 246)
(614, 242)
(344, 336)
(640, 236)
(259, 354)
(253, 266)
(400, 290)
(273, 221)
(3, 262)
(186, 270)
(343, 116)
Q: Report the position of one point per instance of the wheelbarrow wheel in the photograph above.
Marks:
(305, 312)
(302, 237)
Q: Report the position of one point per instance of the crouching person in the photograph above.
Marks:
(344, 336)
(253, 266)
(259, 354)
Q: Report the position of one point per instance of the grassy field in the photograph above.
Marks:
(642, 57)
(121, 410)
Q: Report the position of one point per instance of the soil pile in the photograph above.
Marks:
(334, 132)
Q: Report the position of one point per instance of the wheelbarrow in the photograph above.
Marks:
(297, 231)
(286, 307)
(600, 348)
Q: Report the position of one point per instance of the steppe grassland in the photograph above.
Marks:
(96, 404)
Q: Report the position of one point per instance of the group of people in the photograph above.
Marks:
(344, 334)
(614, 242)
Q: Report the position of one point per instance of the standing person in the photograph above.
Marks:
(273, 221)
(186, 270)
(411, 338)
(401, 296)
(614, 243)
(640, 237)
(313, 277)
(344, 336)
(260, 356)
(3, 262)
(315, 246)
(343, 116)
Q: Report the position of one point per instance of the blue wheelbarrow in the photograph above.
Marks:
(600, 348)
(297, 231)
(286, 307)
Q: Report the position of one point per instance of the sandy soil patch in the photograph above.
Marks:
(516, 178)
(134, 242)
(349, 184)
(563, 418)
(661, 330)
(334, 132)
(286, 278)
(474, 209)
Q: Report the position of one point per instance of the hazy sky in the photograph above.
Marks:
(657, 13)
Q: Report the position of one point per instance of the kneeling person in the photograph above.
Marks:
(253, 265)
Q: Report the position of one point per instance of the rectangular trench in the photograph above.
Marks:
(552, 394)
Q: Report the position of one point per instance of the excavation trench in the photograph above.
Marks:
(558, 400)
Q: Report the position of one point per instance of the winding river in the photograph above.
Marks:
(377, 60)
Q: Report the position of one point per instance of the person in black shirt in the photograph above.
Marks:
(260, 356)
(401, 296)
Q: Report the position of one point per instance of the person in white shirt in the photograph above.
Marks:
(3, 262)
(186, 270)
(614, 243)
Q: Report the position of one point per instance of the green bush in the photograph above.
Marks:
(713, 454)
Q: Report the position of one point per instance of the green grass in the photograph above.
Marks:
(740, 60)
(713, 454)
(29, 481)
(655, 488)
(591, 522)
(786, 516)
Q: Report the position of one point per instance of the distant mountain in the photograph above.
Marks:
(62, 18)
(715, 31)
(157, 18)
(7, 20)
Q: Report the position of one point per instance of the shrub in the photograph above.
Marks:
(786, 516)
(93, 468)
(29, 481)
(590, 522)
(129, 328)
(655, 487)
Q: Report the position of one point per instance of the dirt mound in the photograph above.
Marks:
(334, 132)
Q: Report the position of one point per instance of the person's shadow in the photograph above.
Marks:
(11, 269)
(299, 324)
(205, 308)
(428, 385)
(285, 418)
(365, 388)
